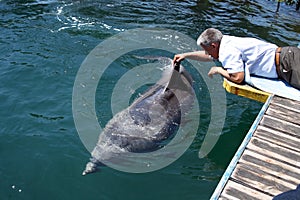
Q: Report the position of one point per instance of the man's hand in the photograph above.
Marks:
(195, 55)
(213, 71)
(178, 58)
(237, 77)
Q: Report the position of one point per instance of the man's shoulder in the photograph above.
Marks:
(228, 44)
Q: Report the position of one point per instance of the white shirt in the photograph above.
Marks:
(249, 55)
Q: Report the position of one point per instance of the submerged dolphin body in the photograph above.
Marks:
(150, 120)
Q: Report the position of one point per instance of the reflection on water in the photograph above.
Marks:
(79, 16)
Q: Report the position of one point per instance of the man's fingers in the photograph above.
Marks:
(177, 58)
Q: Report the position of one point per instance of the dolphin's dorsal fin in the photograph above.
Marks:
(174, 75)
(176, 66)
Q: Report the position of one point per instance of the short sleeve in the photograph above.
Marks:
(232, 60)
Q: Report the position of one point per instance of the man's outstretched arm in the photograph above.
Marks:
(196, 55)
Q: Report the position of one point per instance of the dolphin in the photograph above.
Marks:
(149, 122)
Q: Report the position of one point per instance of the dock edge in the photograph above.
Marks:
(239, 152)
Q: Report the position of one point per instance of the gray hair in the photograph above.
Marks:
(209, 36)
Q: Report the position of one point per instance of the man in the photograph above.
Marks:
(244, 57)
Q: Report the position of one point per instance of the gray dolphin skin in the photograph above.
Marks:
(149, 122)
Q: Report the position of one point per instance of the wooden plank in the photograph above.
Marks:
(284, 114)
(283, 106)
(283, 126)
(238, 191)
(271, 166)
(287, 103)
(277, 137)
(226, 198)
(261, 181)
(274, 151)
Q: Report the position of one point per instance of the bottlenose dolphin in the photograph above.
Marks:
(149, 122)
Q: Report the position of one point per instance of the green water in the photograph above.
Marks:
(43, 44)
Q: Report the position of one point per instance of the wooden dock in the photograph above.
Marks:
(268, 161)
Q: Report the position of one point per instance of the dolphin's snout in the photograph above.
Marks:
(90, 168)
